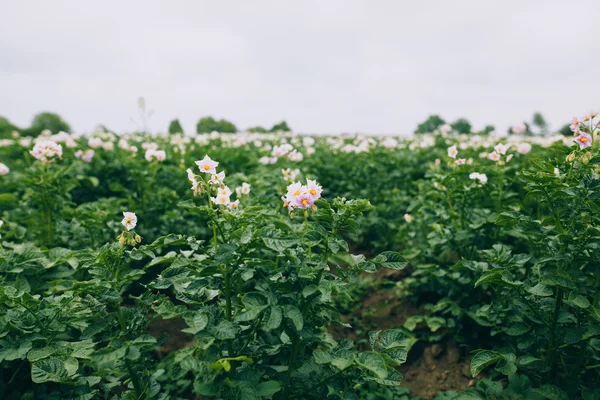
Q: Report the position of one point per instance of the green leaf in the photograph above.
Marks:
(367, 266)
(551, 392)
(526, 360)
(390, 259)
(484, 358)
(38, 354)
(322, 357)
(295, 315)
(268, 388)
(374, 363)
(226, 330)
(488, 277)
(274, 320)
(49, 370)
(578, 300)
(196, 321)
(540, 290)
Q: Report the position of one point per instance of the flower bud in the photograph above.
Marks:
(586, 157)
(570, 157)
(138, 238)
(121, 240)
(132, 242)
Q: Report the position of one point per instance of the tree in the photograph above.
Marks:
(430, 124)
(461, 125)
(566, 130)
(209, 124)
(540, 122)
(257, 129)
(6, 128)
(175, 127)
(47, 120)
(282, 126)
(487, 129)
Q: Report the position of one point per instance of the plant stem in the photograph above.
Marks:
(306, 232)
(553, 329)
(295, 347)
(134, 378)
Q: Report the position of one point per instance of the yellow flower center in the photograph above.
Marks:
(285, 204)
(222, 200)
(206, 167)
(313, 192)
(297, 193)
(583, 140)
(305, 202)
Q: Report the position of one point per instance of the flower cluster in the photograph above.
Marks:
(302, 196)
(223, 197)
(85, 155)
(482, 178)
(46, 151)
(584, 129)
(159, 155)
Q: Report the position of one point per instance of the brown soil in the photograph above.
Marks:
(442, 366)
(177, 340)
(429, 370)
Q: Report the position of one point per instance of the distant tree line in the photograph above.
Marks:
(537, 126)
(42, 121)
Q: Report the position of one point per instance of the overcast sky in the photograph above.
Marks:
(323, 66)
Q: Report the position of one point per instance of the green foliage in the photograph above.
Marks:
(461, 125)
(280, 127)
(430, 124)
(175, 127)
(257, 129)
(46, 120)
(209, 124)
(6, 128)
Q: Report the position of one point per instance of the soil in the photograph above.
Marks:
(430, 368)
(177, 340)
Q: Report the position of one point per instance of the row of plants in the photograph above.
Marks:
(497, 237)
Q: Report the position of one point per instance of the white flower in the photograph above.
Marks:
(192, 179)
(295, 156)
(245, 188)
(482, 178)
(217, 179)
(280, 151)
(224, 191)
(95, 142)
(460, 161)
(221, 200)
(108, 146)
(408, 218)
(160, 155)
(314, 189)
(494, 156)
(234, 204)
(207, 165)
(556, 172)
(524, 148)
(308, 141)
(509, 157)
(4, 170)
(500, 148)
(1, 223)
(390, 143)
(445, 129)
(452, 152)
(46, 150)
(129, 220)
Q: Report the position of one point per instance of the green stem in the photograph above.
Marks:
(553, 329)
(306, 232)
(120, 318)
(134, 378)
(295, 347)
(597, 295)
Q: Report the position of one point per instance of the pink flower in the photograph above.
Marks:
(494, 156)
(575, 125)
(305, 200)
(460, 161)
(452, 152)
(583, 140)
